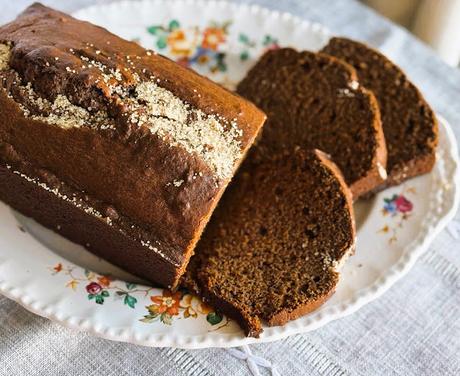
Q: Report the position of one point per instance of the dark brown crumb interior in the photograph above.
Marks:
(310, 103)
(269, 247)
(408, 122)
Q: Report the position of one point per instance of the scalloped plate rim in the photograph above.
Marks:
(412, 251)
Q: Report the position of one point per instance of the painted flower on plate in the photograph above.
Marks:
(194, 306)
(57, 268)
(399, 207)
(403, 205)
(164, 307)
(168, 303)
(213, 37)
(397, 204)
(93, 288)
(96, 292)
(179, 44)
(104, 280)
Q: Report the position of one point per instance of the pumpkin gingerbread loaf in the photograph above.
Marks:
(409, 124)
(115, 147)
(315, 101)
(276, 240)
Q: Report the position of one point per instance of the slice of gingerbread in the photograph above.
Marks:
(314, 100)
(273, 247)
(409, 124)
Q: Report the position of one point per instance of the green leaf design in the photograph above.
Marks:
(214, 318)
(268, 39)
(120, 293)
(220, 62)
(99, 299)
(130, 286)
(91, 296)
(162, 42)
(155, 30)
(173, 25)
(244, 56)
(243, 38)
(104, 293)
(87, 273)
(149, 318)
(166, 318)
(130, 301)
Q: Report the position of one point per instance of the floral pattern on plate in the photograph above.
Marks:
(399, 208)
(161, 308)
(204, 47)
(181, 304)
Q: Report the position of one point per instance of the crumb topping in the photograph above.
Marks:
(178, 183)
(354, 84)
(214, 139)
(170, 117)
(61, 112)
(345, 93)
(65, 114)
(5, 52)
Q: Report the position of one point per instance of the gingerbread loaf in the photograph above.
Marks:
(274, 246)
(409, 124)
(115, 147)
(315, 101)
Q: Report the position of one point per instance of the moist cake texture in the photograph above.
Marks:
(315, 101)
(277, 237)
(127, 136)
(409, 124)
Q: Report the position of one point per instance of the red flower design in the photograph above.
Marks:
(93, 288)
(403, 204)
(167, 303)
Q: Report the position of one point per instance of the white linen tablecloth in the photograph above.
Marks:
(414, 329)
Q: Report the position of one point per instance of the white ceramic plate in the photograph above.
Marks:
(57, 279)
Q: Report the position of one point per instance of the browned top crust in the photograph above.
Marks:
(153, 140)
(315, 101)
(409, 124)
(48, 46)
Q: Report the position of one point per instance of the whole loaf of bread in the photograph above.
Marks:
(111, 145)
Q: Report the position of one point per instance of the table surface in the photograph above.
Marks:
(413, 329)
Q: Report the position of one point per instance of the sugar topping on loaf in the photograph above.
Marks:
(168, 116)
(5, 51)
(216, 140)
